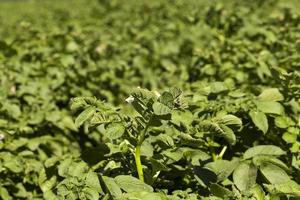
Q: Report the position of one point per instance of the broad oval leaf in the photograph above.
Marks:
(161, 109)
(263, 150)
(115, 130)
(112, 187)
(271, 107)
(257, 192)
(271, 94)
(84, 115)
(244, 176)
(260, 159)
(167, 99)
(274, 174)
(228, 134)
(221, 191)
(222, 168)
(288, 188)
(132, 184)
(260, 120)
(231, 120)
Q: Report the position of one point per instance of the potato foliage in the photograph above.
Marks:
(162, 99)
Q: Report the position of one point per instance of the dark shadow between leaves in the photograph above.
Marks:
(94, 155)
(205, 175)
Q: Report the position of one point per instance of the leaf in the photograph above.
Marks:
(175, 155)
(220, 191)
(222, 168)
(167, 99)
(228, 134)
(257, 192)
(131, 184)
(230, 120)
(244, 176)
(288, 188)
(271, 107)
(85, 115)
(90, 193)
(112, 187)
(263, 150)
(51, 161)
(195, 155)
(271, 94)
(260, 159)
(144, 195)
(115, 130)
(4, 194)
(147, 149)
(274, 174)
(92, 182)
(289, 137)
(161, 109)
(284, 121)
(64, 166)
(48, 184)
(217, 87)
(260, 120)
(14, 164)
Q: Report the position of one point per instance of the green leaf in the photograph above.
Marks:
(112, 187)
(271, 94)
(85, 115)
(260, 120)
(195, 156)
(147, 149)
(228, 134)
(220, 191)
(230, 120)
(161, 109)
(145, 195)
(167, 99)
(64, 167)
(263, 150)
(217, 87)
(271, 107)
(92, 182)
(290, 188)
(284, 121)
(274, 174)
(289, 137)
(14, 164)
(257, 192)
(4, 194)
(244, 176)
(260, 159)
(115, 130)
(90, 193)
(132, 184)
(48, 184)
(222, 168)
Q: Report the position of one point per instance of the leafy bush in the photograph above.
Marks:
(149, 100)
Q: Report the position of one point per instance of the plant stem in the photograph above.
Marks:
(137, 155)
(138, 162)
(214, 156)
(222, 152)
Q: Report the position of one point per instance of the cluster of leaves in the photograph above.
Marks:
(230, 132)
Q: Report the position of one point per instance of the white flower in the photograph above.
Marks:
(130, 99)
(157, 93)
(2, 136)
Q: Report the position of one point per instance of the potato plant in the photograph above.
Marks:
(166, 100)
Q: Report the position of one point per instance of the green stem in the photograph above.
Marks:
(214, 156)
(137, 155)
(220, 156)
(138, 162)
